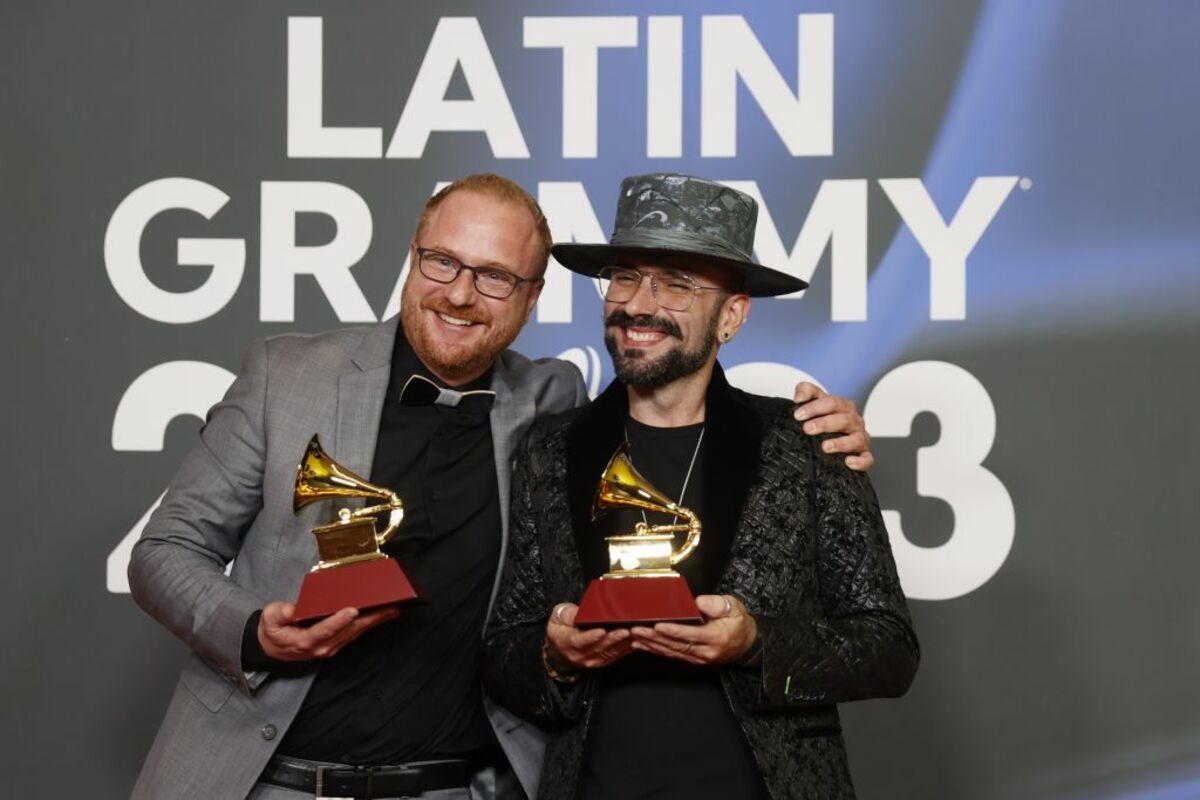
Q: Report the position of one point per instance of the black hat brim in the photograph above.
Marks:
(752, 279)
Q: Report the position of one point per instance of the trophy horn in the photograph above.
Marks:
(319, 477)
(621, 485)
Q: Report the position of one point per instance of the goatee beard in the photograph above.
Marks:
(451, 363)
(633, 369)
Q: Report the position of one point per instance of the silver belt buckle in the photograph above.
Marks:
(320, 788)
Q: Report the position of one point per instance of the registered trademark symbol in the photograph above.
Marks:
(1025, 183)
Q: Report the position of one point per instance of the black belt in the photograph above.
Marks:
(341, 780)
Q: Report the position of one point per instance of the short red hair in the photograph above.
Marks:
(501, 188)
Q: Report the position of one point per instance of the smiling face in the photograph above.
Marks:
(456, 331)
(652, 346)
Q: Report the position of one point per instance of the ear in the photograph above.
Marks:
(535, 291)
(413, 267)
(734, 313)
(413, 257)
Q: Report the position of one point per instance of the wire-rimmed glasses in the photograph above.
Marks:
(673, 291)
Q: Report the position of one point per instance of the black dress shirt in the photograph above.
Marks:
(663, 728)
(410, 689)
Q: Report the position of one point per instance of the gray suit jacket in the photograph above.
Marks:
(232, 501)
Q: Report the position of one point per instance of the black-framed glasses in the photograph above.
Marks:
(489, 281)
(673, 291)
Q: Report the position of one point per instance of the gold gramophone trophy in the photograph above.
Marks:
(351, 570)
(640, 587)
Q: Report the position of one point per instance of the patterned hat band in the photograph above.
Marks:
(686, 242)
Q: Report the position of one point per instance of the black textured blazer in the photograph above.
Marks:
(810, 560)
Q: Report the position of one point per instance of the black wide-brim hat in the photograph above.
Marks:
(683, 217)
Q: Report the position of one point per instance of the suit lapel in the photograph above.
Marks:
(512, 413)
(591, 441)
(733, 442)
(361, 394)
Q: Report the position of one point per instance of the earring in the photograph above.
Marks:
(724, 336)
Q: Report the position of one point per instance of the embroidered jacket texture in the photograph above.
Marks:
(810, 560)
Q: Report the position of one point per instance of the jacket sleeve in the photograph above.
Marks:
(513, 670)
(177, 568)
(859, 643)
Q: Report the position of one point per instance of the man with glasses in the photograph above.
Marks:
(431, 406)
(793, 573)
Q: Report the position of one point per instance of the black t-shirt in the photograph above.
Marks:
(664, 728)
(410, 689)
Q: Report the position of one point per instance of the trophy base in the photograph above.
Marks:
(365, 585)
(623, 602)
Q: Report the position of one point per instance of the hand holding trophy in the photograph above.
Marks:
(641, 587)
(351, 570)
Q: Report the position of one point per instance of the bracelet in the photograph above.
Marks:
(555, 675)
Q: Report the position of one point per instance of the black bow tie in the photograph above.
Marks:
(420, 391)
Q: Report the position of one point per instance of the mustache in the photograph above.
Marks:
(620, 319)
(453, 311)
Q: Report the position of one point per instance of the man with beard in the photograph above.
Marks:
(362, 703)
(802, 608)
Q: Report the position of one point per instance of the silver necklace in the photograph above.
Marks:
(686, 478)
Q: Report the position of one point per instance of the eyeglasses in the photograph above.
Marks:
(672, 291)
(489, 281)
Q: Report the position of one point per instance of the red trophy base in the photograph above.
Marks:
(622, 602)
(367, 584)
